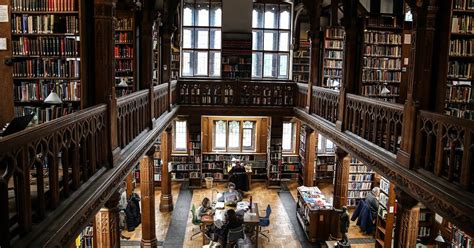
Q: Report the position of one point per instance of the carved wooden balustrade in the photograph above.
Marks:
(302, 95)
(256, 93)
(174, 93)
(444, 146)
(43, 165)
(160, 100)
(325, 103)
(132, 116)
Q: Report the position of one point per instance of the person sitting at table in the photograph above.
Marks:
(238, 176)
(232, 221)
(231, 196)
(205, 208)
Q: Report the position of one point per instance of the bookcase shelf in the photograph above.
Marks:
(124, 53)
(188, 167)
(385, 222)
(325, 161)
(360, 182)
(301, 62)
(56, 45)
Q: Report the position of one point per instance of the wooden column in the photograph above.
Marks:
(6, 83)
(314, 11)
(166, 199)
(406, 229)
(420, 90)
(146, 56)
(343, 162)
(353, 28)
(147, 190)
(334, 13)
(104, 70)
(107, 233)
(310, 152)
(129, 184)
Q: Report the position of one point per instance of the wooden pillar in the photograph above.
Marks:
(314, 9)
(129, 184)
(6, 84)
(419, 76)
(343, 162)
(310, 152)
(352, 27)
(106, 229)
(104, 70)
(334, 13)
(406, 229)
(166, 199)
(146, 56)
(147, 190)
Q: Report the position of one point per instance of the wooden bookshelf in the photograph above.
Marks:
(459, 100)
(385, 222)
(86, 237)
(382, 58)
(302, 155)
(187, 167)
(236, 55)
(301, 62)
(275, 160)
(333, 56)
(325, 161)
(125, 53)
(175, 64)
(426, 221)
(157, 163)
(46, 58)
(360, 182)
(156, 54)
(218, 165)
(460, 239)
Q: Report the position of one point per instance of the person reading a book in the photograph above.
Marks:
(231, 196)
(205, 208)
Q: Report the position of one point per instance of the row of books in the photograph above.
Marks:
(184, 176)
(47, 68)
(123, 65)
(424, 216)
(45, 24)
(332, 72)
(383, 21)
(213, 166)
(360, 177)
(46, 46)
(181, 159)
(123, 37)
(42, 114)
(382, 63)
(124, 23)
(460, 47)
(377, 37)
(44, 5)
(463, 4)
(458, 94)
(357, 194)
(334, 44)
(381, 75)
(331, 83)
(333, 63)
(462, 24)
(461, 239)
(290, 159)
(359, 185)
(383, 199)
(124, 52)
(382, 51)
(325, 167)
(335, 33)
(290, 168)
(333, 54)
(352, 202)
(460, 69)
(185, 167)
(424, 231)
(39, 90)
(228, 157)
(359, 169)
(216, 176)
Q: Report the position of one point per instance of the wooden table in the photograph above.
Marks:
(251, 220)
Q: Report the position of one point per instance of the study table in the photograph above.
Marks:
(251, 219)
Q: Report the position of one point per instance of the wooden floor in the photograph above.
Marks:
(281, 231)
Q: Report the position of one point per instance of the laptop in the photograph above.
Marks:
(17, 125)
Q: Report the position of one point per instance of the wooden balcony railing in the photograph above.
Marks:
(444, 146)
(260, 93)
(43, 165)
(160, 99)
(133, 115)
(377, 121)
(301, 95)
(325, 103)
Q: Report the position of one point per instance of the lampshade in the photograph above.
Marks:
(123, 83)
(53, 98)
(385, 90)
(439, 238)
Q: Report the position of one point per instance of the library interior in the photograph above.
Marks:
(237, 123)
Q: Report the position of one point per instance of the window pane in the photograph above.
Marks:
(283, 68)
(187, 63)
(248, 135)
(215, 64)
(257, 64)
(271, 17)
(270, 41)
(220, 135)
(284, 41)
(234, 134)
(285, 16)
(215, 39)
(201, 63)
(287, 143)
(202, 40)
(248, 124)
(269, 65)
(202, 17)
(257, 16)
(180, 135)
(216, 15)
(188, 18)
(320, 143)
(188, 38)
(257, 40)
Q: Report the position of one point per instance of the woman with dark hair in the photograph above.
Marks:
(232, 221)
(205, 208)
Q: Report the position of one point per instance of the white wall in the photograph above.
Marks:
(237, 16)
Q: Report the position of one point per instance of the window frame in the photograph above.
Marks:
(240, 148)
(194, 51)
(293, 138)
(175, 150)
(277, 52)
